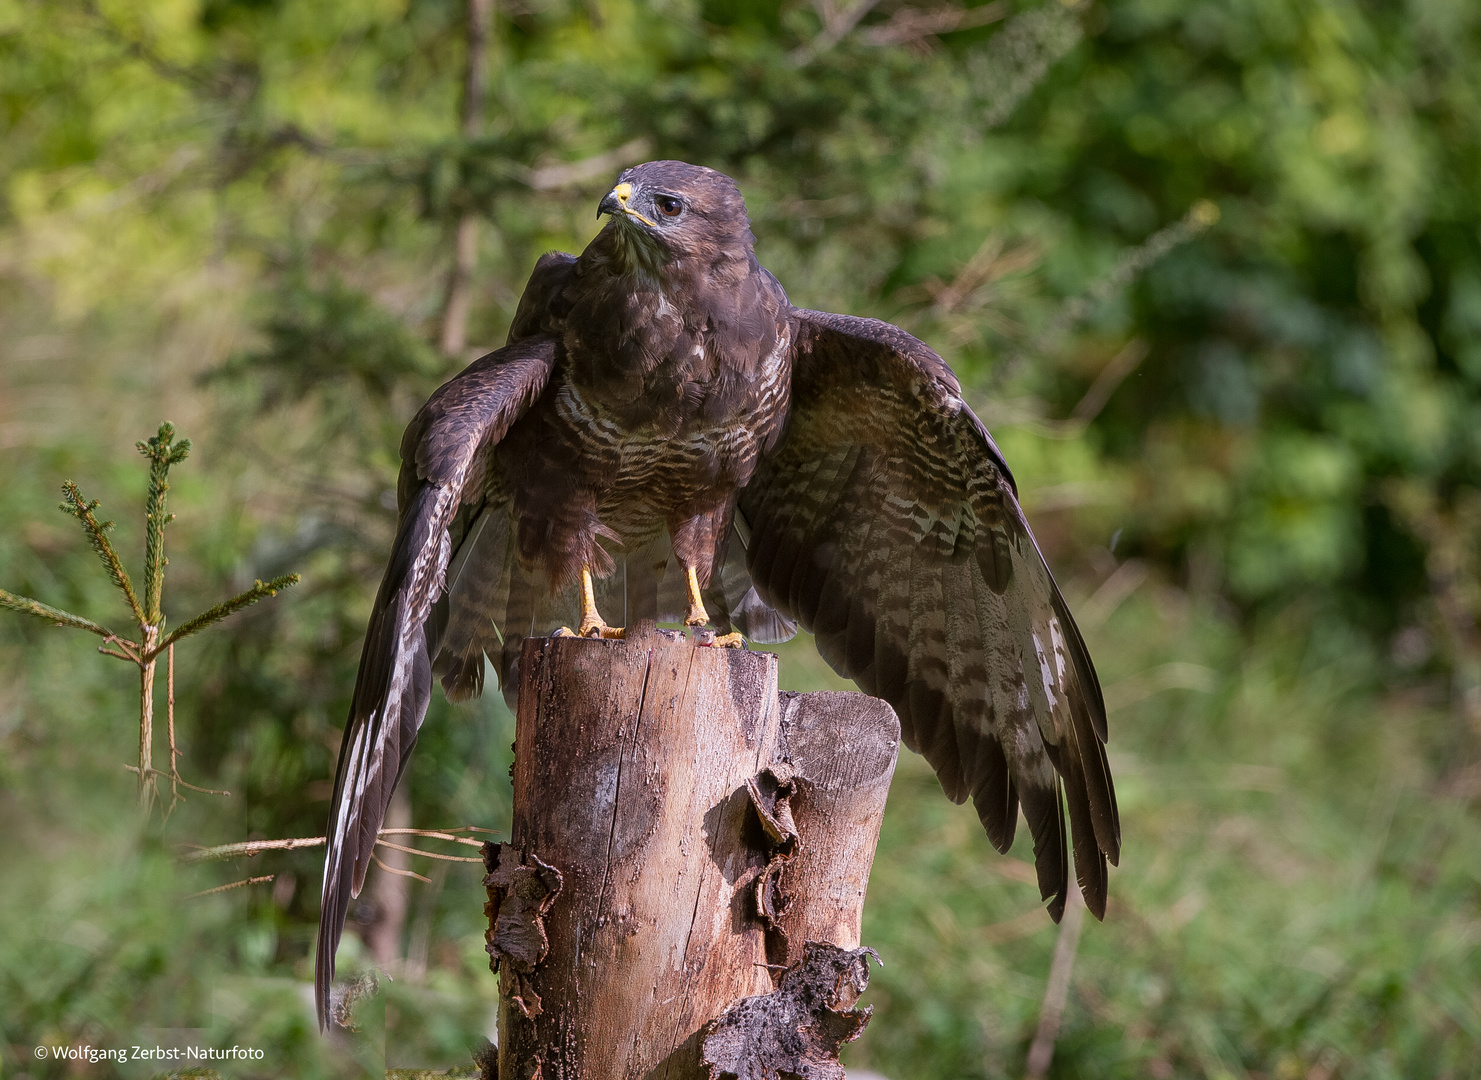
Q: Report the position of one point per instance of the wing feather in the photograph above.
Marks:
(928, 670)
(842, 592)
(886, 522)
(442, 465)
(829, 599)
(836, 472)
(978, 746)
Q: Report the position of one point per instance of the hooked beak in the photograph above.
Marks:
(616, 202)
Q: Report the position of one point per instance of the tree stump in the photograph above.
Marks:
(684, 885)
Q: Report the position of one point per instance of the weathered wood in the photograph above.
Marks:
(842, 749)
(796, 1030)
(680, 832)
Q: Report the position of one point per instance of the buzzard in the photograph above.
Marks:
(665, 435)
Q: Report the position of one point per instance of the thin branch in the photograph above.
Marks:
(129, 650)
(1201, 217)
(143, 52)
(233, 885)
(470, 828)
(170, 714)
(97, 535)
(836, 25)
(259, 591)
(972, 275)
(909, 25)
(1111, 376)
(988, 264)
(429, 854)
(1057, 992)
(571, 173)
(1019, 55)
(402, 873)
(175, 780)
(149, 183)
(250, 848)
(435, 835)
(148, 789)
(26, 606)
(1113, 592)
(203, 790)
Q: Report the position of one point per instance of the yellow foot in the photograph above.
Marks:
(602, 631)
(697, 616)
(706, 639)
(592, 625)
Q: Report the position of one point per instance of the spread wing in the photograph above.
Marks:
(887, 523)
(442, 464)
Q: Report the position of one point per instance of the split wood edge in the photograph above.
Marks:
(800, 805)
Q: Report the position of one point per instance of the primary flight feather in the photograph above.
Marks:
(666, 435)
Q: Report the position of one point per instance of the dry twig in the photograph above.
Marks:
(404, 873)
(837, 22)
(176, 779)
(1057, 992)
(233, 885)
(912, 25)
(570, 173)
(428, 854)
(250, 848)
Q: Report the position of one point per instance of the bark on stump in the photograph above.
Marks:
(684, 885)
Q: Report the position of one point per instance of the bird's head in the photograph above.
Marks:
(664, 212)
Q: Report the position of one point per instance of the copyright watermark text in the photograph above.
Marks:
(97, 1054)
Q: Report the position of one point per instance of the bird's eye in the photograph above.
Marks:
(668, 206)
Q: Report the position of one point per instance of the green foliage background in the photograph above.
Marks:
(238, 214)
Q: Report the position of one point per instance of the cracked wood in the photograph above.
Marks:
(634, 762)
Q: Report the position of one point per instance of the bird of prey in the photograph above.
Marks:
(664, 435)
